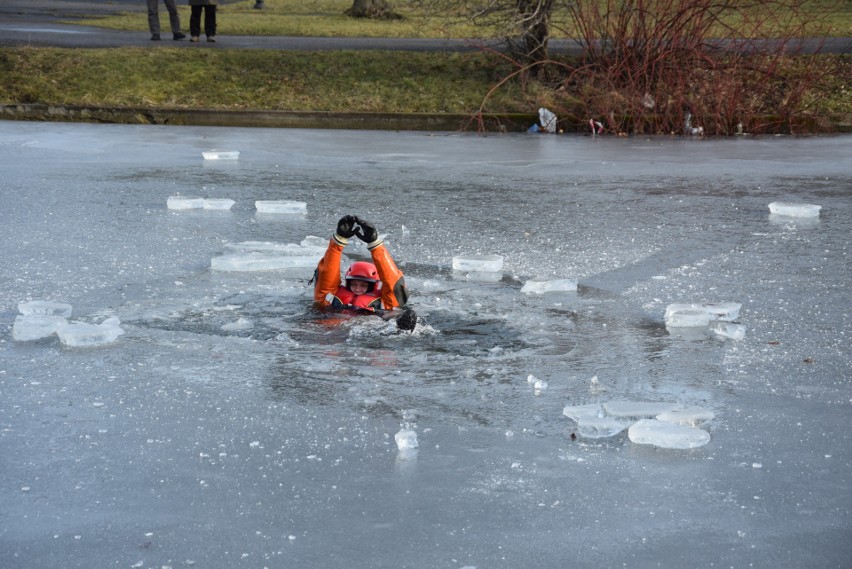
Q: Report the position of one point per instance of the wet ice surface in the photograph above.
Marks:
(232, 426)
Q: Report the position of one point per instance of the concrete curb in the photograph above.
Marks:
(443, 122)
(271, 119)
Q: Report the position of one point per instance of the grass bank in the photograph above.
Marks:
(269, 80)
(360, 81)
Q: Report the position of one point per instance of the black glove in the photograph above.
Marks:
(367, 232)
(346, 226)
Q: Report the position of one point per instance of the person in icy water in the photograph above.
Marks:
(377, 287)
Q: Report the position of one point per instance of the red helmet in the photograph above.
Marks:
(362, 271)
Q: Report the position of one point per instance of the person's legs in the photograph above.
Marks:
(153, 17)
(195, 21)
(174, 17)
(210, 21)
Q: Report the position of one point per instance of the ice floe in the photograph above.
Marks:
(239, 325)
(45, 307)
(576, 412)
(663, 424)
(29, 327)
(180, 203)
(41, 319)
(269, 256)
(728, 330)
(790, 209)
(636, 409)
(690, 416)
(541, 286)
(83, 334)
(687, 318)
(600, 427)
(259, 261)
(481, 268)
(719, 316)
(406, 439)
(280, 206)
(478, 263)
(214, 154)
(725, 311)
(663, 434)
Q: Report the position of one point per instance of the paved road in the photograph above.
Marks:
(39, 23)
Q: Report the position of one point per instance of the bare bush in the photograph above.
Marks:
(654, 66)
(669, 66)
(373, 9)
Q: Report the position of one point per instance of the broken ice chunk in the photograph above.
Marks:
(729, 330)
(687, 318)
(406, 439)
(257, 261)
(690, 416)
(577, 412)
(185, 202)
(28, 327)
(218, 203)
(221, 154)
(600, 427)
(45, 307)
(478, 276)
(81, 334)
(636, 409)
(282, 248)
(726, 311)
(537, 286)
(795, 209)
(478, 263)
(667, 435)
(239, 325)
(280, 206)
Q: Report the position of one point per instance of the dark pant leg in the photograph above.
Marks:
(153, 16)
(174, 17)
(195, 21)
(209, 21)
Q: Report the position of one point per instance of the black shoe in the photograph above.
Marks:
(178, 36)
(155, 37)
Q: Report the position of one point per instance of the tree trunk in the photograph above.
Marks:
(535, 27)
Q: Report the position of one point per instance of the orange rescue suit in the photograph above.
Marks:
(331, 292)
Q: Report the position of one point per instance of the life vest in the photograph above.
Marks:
(345, 298)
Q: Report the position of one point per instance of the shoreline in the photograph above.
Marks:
(443, 122)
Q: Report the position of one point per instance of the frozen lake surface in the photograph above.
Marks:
(232, 426)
